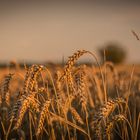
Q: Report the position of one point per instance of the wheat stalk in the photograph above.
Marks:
(0, 99)
(113, 70)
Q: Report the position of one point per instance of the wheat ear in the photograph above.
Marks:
(44, 112)
(23, 108)
(108, 108)
(76, 115)
(81, 88)
(6, 91)
(110, 125)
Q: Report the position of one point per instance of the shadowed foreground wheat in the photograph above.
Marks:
(74, 102)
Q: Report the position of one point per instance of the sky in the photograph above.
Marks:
(48, 31)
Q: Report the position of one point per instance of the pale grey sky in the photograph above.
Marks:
(46, 31)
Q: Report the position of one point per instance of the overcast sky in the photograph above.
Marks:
(45, 31)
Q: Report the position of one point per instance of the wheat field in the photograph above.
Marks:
(73, 102)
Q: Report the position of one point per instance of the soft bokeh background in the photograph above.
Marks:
(47, 31)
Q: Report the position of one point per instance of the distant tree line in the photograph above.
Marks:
(113, 52)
